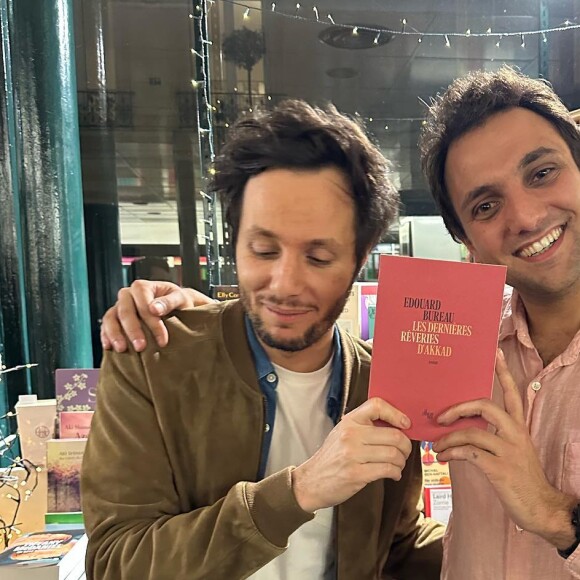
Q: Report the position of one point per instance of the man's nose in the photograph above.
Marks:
(526, 211)
(288, 275)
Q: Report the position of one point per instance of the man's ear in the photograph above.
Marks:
(472, 254)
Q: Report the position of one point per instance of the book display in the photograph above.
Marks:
(435, 342)
(46, 490)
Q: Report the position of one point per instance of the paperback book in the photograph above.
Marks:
(223, 292)
(435, 340)
(64, 459)
(368, 304)
(45, 556)
(36, 424)
(76, 389)
(349, 318)
(75, 424)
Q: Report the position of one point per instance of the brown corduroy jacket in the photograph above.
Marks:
(169, 484)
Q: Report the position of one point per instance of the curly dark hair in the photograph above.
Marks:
(295, 135)
(468, 103)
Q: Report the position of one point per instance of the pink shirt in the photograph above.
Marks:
(482, 543)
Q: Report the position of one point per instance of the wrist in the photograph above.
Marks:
(301, 490)
(558, 528)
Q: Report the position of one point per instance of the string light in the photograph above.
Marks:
(205, 112)
(377, 37)
(355, 31)
(523, 44)
(409, 31)
(315, 10)
(8, 479)
(447, 43)
(247, 14)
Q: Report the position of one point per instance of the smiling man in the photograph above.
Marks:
(502, 154)
(245, 448)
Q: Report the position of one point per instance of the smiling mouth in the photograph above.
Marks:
(542, 245)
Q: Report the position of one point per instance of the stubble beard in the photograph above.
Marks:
(311, 336)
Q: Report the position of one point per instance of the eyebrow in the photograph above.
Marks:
(535, 155)
(328, 243)
(526, 160)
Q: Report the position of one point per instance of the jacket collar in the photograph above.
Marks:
(237, 343)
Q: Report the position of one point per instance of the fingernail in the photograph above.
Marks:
(500, 354)
(118, 345)
(159, 307)
(405, 422)
(138, 344)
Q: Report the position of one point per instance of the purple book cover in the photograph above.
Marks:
(76, 389)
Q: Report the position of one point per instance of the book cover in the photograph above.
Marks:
(439, 503)
(74, 424)
(349, 318)
(76, 389)
(36, 424)
(64, 458)
(223, 292)
(368, 303)
(434, 472)
(45, 555)
(435, 338)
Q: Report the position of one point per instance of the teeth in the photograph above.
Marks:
(543, 244)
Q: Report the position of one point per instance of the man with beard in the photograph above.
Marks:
(245, 448)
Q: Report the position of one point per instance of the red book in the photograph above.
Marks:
(75, 424)
(435, 343)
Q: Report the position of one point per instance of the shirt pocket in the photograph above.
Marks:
(571, 471)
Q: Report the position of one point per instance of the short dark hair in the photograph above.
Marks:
(468, 103)
(296, 135)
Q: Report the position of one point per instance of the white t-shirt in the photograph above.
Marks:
(300, 427)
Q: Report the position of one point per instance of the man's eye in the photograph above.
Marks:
(264, 253)
(319, 261)
(484, 209)
(542, 173)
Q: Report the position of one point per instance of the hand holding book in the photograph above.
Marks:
(355, 453)
(509, 460)
(435, 341)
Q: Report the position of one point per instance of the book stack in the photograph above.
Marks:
(75, 405)
(58, 555)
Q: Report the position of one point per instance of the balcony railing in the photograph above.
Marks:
(105, 109)
(227, 107)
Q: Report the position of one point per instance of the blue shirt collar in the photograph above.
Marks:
(264, 367)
